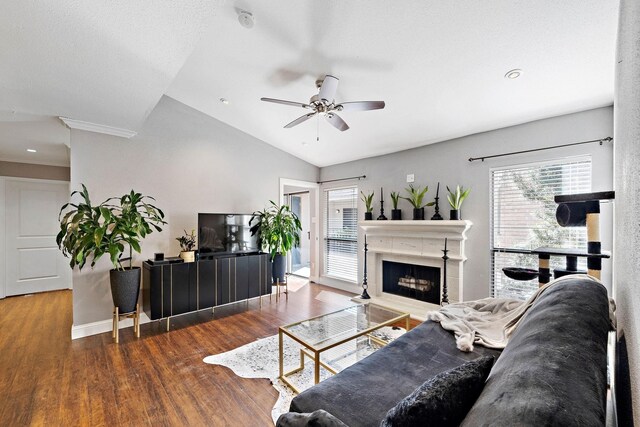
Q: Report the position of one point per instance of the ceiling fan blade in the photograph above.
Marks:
(300, 120)
(337, 122)
(328, 88)
(280, 101)
(360, 106)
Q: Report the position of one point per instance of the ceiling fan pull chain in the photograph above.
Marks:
(318, 129)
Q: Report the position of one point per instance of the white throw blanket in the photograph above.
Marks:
(490, 321)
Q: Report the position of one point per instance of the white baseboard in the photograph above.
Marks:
(339, 284)
(102, 326)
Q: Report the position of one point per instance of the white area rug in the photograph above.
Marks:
(259, 359)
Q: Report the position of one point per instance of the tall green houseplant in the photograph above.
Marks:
(113, 227)
(278, 230)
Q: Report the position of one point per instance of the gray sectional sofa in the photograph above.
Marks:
(552, 372)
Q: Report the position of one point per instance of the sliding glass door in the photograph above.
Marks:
(299, 259)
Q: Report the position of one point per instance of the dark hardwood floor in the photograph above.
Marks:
(158, 379)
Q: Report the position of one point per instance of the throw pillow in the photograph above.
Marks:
(319, 418)
(444, 400)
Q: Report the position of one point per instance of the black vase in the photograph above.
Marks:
(368, 216)
(454, 214)
(278, 268)
(125, 288)
(396, 214)
(418, 213)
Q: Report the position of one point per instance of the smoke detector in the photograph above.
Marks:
(246, 19)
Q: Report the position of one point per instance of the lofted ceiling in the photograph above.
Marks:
(439, 66)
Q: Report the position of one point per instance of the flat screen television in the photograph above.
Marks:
(225, 234)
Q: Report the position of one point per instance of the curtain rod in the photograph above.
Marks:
(602, 140)
(343, 179)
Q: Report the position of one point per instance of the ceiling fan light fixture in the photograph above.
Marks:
(225, 101)
(513, 74)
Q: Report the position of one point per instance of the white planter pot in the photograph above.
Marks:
(188, 256)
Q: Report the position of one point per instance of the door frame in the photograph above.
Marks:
(3, 225)
(314, 192)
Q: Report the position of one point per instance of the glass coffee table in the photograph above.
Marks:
(322, 333)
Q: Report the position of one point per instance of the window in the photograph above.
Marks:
(523, 217)
(341, 234)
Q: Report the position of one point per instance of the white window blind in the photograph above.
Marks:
(523, 218)
(341, 234)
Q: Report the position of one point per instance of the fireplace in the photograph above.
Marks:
(418, 282)
(418, 245)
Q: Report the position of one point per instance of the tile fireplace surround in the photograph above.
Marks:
(418, 243)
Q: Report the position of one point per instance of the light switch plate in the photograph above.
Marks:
(410, 178)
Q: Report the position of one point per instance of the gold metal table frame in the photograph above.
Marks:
(313, 352)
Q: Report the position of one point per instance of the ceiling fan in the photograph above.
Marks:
(323, 104)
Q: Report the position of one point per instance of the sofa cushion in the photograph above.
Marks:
(319, 418)
(362, 394)
(444, 400)
(553, 371)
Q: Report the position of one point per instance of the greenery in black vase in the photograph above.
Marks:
(416, 196)
(457, 197)
(277, 227)
(395, 198)
(87, 231)
(368, 201)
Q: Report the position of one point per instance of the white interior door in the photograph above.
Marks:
(33, 261)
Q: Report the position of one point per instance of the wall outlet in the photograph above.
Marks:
(411, 178)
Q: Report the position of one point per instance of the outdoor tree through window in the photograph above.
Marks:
(523, 217)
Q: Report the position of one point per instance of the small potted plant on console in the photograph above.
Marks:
(396, 213)
(455, 201)
(278, 230)
(187, 244)
(368, 204)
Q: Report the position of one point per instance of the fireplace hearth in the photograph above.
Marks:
(418, 282)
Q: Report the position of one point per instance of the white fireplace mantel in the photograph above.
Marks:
(420, 243)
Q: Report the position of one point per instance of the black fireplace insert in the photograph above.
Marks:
(418, 282)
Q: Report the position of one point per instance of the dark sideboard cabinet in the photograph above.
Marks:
(173, 289)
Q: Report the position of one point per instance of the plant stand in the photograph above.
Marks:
(135, 315)
(278, 284)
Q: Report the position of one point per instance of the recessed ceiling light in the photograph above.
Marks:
(513, 74)
(31, 150)
(225, 101)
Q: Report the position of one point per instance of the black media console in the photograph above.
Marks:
(173, 289)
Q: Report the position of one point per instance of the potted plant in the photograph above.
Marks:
(187, 243)
(416, 196)
(455, 201)
(395, 212)
(87, 232)
(368, 205)
(278, 230)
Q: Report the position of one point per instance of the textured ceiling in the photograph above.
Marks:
(105, 62)
(438, 65)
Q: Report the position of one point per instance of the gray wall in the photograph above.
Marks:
(447, 163)
(627, 186)
(190, 163)
(28, 170)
